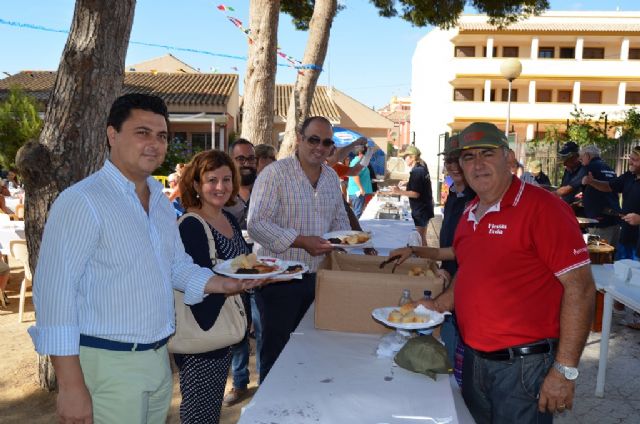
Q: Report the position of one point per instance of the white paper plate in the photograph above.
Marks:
(344, 233)
(287, 264)
(224, 268)
(381, 315)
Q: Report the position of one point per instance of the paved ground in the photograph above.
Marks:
(621, 402)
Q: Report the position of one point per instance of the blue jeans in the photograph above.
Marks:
(626, 252)
(240, 351)
(450, 336)
(505, 392)
(357, 204)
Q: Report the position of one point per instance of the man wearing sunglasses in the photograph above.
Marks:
(294, 202)
(244, 156)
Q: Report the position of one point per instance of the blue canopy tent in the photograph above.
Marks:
(344, 136)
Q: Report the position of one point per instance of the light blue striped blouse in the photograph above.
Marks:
(107, 269)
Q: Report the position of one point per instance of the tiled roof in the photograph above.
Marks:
(322, 104)
(397, 115)
(36, 83)
(552, 27)
(174, 88)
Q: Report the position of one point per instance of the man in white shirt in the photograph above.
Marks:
(110, 258)
(293, 203)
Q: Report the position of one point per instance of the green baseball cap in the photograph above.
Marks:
(451, 145)
(410, 150)
(482, 135)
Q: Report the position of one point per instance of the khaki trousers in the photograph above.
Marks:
(128, 387)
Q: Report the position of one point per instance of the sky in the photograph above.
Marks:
(369, 56)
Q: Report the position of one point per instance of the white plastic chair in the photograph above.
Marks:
(18, 249)
(19, 213)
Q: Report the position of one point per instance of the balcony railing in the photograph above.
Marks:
(532, 112)
(604, 69)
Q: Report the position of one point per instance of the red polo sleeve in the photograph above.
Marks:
(557, 237)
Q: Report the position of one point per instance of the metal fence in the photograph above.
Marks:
(617, 157)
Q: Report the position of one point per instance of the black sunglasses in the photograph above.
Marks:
(451, 160)
(314, 140)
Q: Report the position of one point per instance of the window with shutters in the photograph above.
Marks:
(510, 51)
(591, 97)
(593, 53)
(465, 51)
(546, 52)
(463, 94)
(543, 96)
(632, 97)
(567, 53)
(564, 96)
(504, 96)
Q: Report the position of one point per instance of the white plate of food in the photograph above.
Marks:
(348, 239)
(292, 270)
(250, 267)
(408, 318)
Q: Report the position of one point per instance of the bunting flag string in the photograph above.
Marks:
(247, 32)
(140, 43)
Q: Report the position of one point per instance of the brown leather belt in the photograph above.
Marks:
(541, 346)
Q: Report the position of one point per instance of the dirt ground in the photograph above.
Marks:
(21, 399)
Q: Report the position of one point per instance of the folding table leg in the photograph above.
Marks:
(604, 343)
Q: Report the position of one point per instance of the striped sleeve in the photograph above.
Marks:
(69, 238)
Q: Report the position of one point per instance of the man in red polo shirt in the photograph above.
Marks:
(524, 292)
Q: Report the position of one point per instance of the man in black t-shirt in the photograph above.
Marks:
(418, 190)
(629, 185)
(604, 207)
(569, 155)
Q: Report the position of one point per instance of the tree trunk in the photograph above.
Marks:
(72, 144)
(302, 95)
(260, 79)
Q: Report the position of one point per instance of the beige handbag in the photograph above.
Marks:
(229, 328)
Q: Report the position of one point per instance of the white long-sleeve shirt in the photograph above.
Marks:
(285, 205)
(107, 268)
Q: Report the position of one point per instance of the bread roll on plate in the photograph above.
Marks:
(406, 308)
(395, 316)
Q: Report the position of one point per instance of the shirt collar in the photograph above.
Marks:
(458, 194)
(510, 199)
(298, 167)
(111, 172)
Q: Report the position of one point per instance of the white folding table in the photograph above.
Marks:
(614, 289)
(333, 377)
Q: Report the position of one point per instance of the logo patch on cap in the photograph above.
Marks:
(474, 136)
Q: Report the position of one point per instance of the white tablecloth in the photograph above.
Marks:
(12, 231)
(614, 289)
(388, 234)
(11, 202)
(332, 377)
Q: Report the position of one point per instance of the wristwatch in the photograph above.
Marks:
(570, 373)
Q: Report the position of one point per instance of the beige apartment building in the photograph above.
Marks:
(586, 59)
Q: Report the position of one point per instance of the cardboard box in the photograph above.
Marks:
(349, 287)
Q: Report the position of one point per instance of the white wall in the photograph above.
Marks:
(431, 96)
